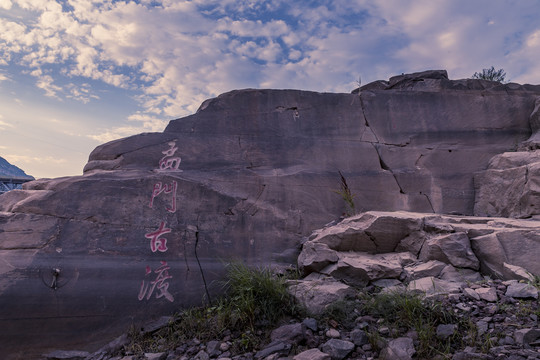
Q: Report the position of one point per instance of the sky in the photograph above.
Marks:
(78, 73)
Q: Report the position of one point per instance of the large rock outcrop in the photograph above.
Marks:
(144, 230)
(406, 246)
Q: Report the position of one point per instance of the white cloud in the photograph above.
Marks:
(147, 123)
(5, 4)
(173, 56)
(533, 40)
(4, 124)
(13, 158)
(82, 92)
(248, 28)
(115, 133)
(46, 83)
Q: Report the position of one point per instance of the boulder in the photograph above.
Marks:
(315, 256)
(450, 273)
(432, 286)
(144, 231)
(316, 294)
(290, 333)
(516, 272)
(510, 186)
(359, 269)
(526, 336)
(430, 268)
(452, 249)
(510, 245)
(487, 294)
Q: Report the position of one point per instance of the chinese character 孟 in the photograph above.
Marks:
(169, 162)
(160, 283)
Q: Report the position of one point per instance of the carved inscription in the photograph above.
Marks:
(156, 282)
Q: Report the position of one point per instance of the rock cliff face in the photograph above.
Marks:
(145, 229)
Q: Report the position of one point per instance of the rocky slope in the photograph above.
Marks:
(484, 320)
(144, 231)
(8, 170)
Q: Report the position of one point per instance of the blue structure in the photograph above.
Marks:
(12, 183)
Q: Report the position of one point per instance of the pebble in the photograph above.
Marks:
(333, 334)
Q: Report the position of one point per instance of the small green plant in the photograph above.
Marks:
(257, 295)
(346, 195)
(487, 342)
(247, 341)
(535, 281)
(491, 74)
(376, 340)
(341, 311)
(406, 310)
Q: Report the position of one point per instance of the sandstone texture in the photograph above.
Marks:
(146, 229)
(429, 253)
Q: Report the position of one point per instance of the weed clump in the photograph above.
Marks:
(404, 311)
(257, 296)
(347, 195)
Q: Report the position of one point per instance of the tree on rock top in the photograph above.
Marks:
(490, 74)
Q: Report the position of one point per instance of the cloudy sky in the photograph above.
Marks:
(78, 73)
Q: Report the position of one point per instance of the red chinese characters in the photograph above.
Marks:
(159, 188)
(159, 284)
(157, 243)
(169, 162)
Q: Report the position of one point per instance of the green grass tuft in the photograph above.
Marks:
(404, 311)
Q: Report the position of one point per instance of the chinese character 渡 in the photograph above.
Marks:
(160, 283)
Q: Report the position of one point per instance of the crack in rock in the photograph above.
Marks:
(384, 166)
(366, 123)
